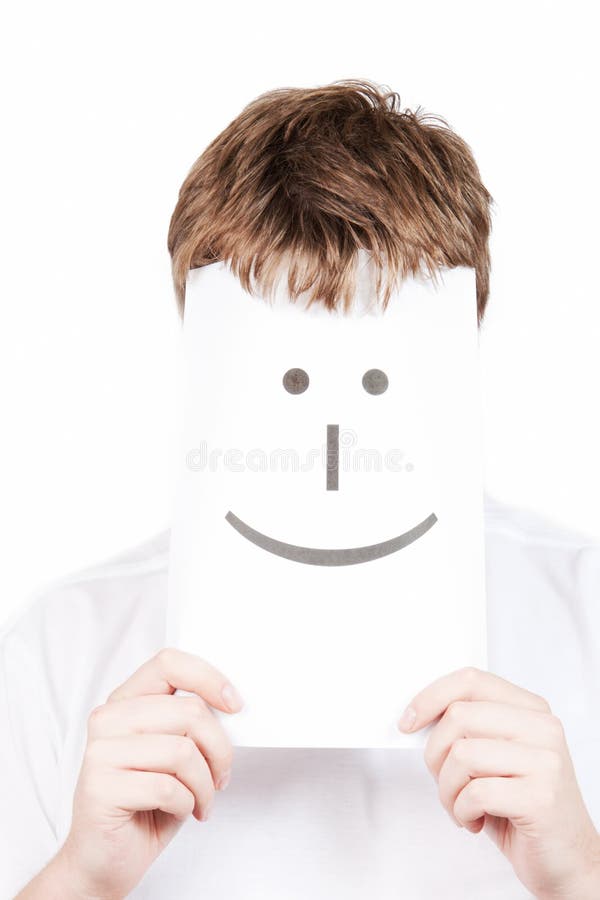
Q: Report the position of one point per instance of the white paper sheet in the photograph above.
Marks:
(325, 645)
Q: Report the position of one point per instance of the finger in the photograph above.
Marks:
(484, 718)
(471, 758)
(496, 796)
(155, 714)
(466, 684)
(171, 669)
(169, 754)
(132, 791)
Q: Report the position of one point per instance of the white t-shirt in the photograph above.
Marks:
(293, 823)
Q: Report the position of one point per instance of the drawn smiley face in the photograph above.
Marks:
(296, 381)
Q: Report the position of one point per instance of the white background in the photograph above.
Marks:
(106, 107)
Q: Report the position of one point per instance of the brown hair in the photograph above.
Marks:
(313, 174)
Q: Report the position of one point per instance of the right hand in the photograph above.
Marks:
(151, 759)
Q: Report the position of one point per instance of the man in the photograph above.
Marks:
(105, 771)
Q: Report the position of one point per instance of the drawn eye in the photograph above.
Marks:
(375, 381)
(295, 381)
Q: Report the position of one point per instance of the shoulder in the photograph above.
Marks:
(537, 556)
(535, 534)
(98, 614)
(108, 584)
(519, 525)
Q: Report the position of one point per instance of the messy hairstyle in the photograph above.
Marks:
(308, 176)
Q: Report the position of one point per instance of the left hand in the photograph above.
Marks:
(503, 766)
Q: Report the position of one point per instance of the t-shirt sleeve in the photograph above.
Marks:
(29, 776)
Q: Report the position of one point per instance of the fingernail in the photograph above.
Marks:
(224, 781)
(232, 698)
(407, 719)
(206, 812)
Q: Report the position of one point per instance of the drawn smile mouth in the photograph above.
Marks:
(316, 556)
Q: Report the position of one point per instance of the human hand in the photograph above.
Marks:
(151, 759)
(502, 765)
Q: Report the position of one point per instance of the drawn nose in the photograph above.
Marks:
(333, 456)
